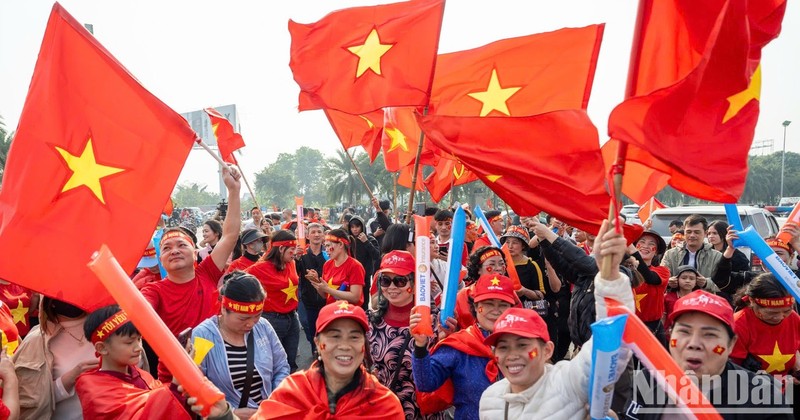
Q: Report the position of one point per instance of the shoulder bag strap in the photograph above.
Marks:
(399, 361)
(248, 379)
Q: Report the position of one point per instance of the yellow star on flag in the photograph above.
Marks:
(738, 101)
(290, 291)
(639, 300)
(86, 171)
(369, 53)
(495, 281)
(493, 178)
(19, 313)
(777, 360)
(397, 137)
(369, 123)
(495, 96)
(11, 346)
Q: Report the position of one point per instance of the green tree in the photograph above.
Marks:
(276, 184)
(192, 194)
(343, 183)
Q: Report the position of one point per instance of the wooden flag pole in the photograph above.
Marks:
(618, 168)
(414, 174)
(249, 188)
(363, 181)
(223, 164)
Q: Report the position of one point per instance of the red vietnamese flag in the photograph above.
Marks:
(514, 77)
(93, 150)
(361, 59)
(649, 207)
(447, 173)
(547, 162)
(518, 76)
(400, 139)
(358, 130)
(405, 174)
(695, 86)
(227, 141)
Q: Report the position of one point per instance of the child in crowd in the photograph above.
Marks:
(687, 283)
(117, 388)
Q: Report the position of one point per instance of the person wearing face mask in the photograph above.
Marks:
(253, 245)
(278, 275)
(49, 361)
(337, 385)
(389, 335)
(462, 357)
(701, 342)
(532, 388)
(239, 334)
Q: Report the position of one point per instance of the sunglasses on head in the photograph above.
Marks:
(399, 281)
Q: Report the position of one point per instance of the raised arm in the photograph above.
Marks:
(232, 223)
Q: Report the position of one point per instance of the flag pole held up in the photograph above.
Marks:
(153, 329)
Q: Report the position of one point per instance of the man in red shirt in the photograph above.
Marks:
(189, 294)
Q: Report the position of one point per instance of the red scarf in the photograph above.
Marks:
(470, 341)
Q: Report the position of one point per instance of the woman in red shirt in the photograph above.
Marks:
(649, 296)
(768, 328)
(277, 273)
(342, 275)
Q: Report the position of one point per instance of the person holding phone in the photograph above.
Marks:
(246, 361)
(342, 275)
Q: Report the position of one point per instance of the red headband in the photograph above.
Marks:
(109, 326)
(489, 254)
(496, 218)
(292, 243)
(249, 308)
(150, 252)
(783, 302)
(332, 238)
(775, 242)
(177, 234)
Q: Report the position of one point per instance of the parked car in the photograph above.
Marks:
(761, 219)
(631, 213)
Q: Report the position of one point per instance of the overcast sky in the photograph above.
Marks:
(200, 53)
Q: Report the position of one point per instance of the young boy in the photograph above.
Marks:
(119, 389)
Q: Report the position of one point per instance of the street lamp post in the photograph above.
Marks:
(783, 155)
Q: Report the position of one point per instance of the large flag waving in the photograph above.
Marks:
(358, 130)
(361, 59)
(96, 153)
(695, 82)
(511, 77)
(227, 140)
(547, 162)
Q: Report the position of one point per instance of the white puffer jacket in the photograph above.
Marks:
(563, 391)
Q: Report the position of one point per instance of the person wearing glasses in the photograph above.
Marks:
(389, 337)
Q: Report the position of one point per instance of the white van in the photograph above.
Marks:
(761, 219)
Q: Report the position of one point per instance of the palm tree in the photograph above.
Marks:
(344, 184)
(5, 143)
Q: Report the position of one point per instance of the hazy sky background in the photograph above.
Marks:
(195, 54)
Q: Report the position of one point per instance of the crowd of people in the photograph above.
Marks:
(244, 297)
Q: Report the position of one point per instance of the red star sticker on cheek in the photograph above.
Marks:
(533, 354)
(673, 342)
(719, 349)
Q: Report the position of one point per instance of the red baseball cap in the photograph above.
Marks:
(397, 262)
(521, 322)
(341, 310)
(494, 286)
(707, 303)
